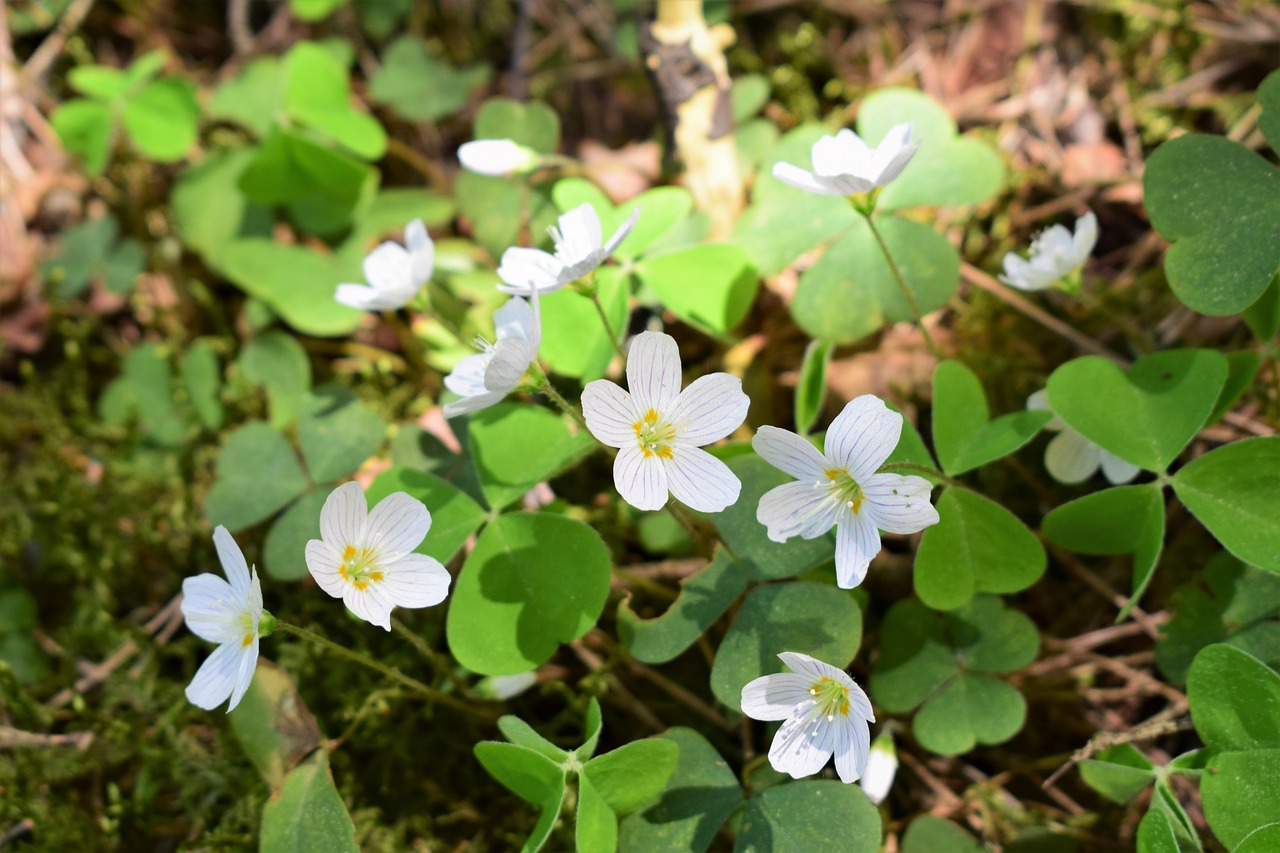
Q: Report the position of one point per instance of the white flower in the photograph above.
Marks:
(882, 766)
(395, 273)
(1054, 254)
(825, 713)
(227, 614)
(496, 157)
(845, 165)
(659, 428)
(579, 250)
(367, 559)
(503, 687)
(843, 488)
(1071, 458)
(485, 378)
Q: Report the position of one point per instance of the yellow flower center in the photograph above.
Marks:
(832, 697)
(359, 567)
(654, 435)
(843, 488)
(245, 623)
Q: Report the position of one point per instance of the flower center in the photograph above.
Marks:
(842, 488)
(245, 623)
(832, 697)
(359, 567)
(654, 435)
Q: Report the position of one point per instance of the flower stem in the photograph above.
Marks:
(391, 672)
(608, 330)
(565, 406)
(433, 657)
(902, 285)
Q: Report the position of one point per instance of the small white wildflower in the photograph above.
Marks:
(825, 711)
(496, 157)
(842, 488)
(660, 429)
(395, 273)
(367, 558)
(845, 165)
(1055, 253)
(579, 250)
(485, 378)
(227, 614)
(882, 766)
(1071, 458)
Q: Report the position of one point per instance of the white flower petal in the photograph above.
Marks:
(853, 743)
(364, 298)
(796, 509)
(387, 268)
(211, 608)
(1116, 470)
(220, 676)
(621, 234)
(862, 436)
(898, 504)
(244, 673)
(802, 745)
(1071, 458)
(653, 371)
(516, 320)
(415, 580)
(1086, 237)
(422, 252)
(812, 668)
(495, 157)
(610, 414)
(511, 357)
(368, 604)
(579, 235)
(709, 409)
(1039, 402)
(343, 515)
(254, 600)
(473, 403)
(467, 378)
(324, 562)
(525, 270)
(396, 526)
(232, 560)
(857, 541)
(839, 155)
(793, 175)
(775, 697)
(790, 453)
(699, 480)
(640, 480)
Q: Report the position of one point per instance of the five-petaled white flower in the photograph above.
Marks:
(1055, 253)
(486, 377)
(882, 766)
(845, 165)
(825, 713)
(842, 486)
(660, 429)
(579, 250)
(496, 157)
(367, 558)
(227, 614)
(395, 273)
(1071, 458)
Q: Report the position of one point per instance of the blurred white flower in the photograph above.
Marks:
(825, 713)
(1071, 458)
(845, 165)
(367, 558)
(227, 614)
(485, 378)
(1055, 253)
(842, 487)
(882, 766)
(660, 429)
(503, 687)
(395, 273)
(579, 250)
(496, 157)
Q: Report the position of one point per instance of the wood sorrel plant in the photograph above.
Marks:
(604, 413)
